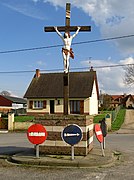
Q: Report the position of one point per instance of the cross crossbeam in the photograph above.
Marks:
(67, 28)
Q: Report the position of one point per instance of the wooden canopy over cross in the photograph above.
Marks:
(67, 27)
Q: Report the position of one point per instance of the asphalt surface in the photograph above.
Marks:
(27, 156)
(93, 159)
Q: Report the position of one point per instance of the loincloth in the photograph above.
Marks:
(66, 51)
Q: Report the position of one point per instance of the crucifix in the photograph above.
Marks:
(67, 50)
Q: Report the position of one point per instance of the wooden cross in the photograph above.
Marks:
(67, 28)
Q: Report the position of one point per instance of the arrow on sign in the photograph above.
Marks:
(68, 135)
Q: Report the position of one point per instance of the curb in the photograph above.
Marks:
(55, 161)
(3, 131)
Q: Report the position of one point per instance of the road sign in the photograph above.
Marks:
(72, 134)
(37, 134)
(99, 136)
(98, 133)
(103, 127)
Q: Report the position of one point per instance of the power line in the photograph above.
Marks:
(55, 46)
(116, 65)
(105, 39)
(101, 67)
(53, 70)
(15, 72)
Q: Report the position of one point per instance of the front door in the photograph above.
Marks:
(51, 106)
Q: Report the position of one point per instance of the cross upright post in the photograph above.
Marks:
(67, 52)
(66, 75)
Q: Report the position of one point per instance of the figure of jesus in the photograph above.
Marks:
(67, 50)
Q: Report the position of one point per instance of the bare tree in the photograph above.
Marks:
(5, 93)
(129, 75)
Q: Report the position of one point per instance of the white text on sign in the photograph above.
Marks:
(98, 133)
(37, 134)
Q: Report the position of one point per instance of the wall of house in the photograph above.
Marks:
(93, 106)
(32, 110)
(86, 106)
(5, 102)
(58, 108)
(16, 106)
(129, 103)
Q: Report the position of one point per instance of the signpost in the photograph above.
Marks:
(99, 136)
(72, 134)
(37, 134)
(103, 127)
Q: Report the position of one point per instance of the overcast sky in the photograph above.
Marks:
(22, 23)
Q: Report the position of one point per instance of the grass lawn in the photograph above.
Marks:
(23, 118)
(100, 116)
(119, 120)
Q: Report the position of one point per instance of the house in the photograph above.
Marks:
(116, 100)
(124, 100)
(9, 103)
(128, 101)
(45, 93)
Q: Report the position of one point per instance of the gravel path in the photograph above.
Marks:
(128, 125)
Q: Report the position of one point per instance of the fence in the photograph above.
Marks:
(115, 112)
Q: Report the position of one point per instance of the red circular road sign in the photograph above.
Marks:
(36, 134)
(98, 133)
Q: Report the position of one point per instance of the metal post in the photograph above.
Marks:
(104, 143)
(72, 150)
(103, 154)
(37, 150)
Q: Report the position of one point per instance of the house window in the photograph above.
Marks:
(75, 107)
(38, 104)
(58, 102)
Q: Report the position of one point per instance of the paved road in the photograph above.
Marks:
(123, 170)
(13, 142)
(128, 125)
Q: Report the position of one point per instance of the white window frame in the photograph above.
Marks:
(38, 104)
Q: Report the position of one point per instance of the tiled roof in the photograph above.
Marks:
(15, 99)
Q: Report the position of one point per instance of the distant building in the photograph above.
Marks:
(124, 100)
(9, 103)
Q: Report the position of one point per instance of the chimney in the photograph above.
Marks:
(91, 69)
(37, 73)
